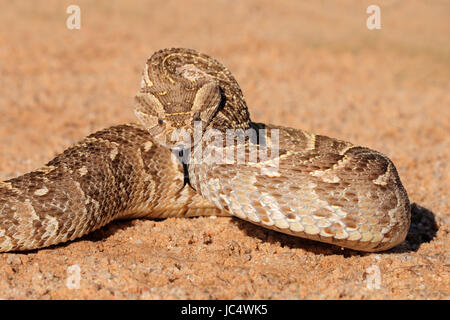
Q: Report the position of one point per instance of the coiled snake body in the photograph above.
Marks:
(313, 186)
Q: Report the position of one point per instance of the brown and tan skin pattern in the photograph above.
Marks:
(176, 90)
(116, 173)
(324, 189)
(335, 193)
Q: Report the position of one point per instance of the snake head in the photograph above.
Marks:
(173, 115)
(183, 93)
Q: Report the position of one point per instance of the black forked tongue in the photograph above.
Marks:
(182, 155)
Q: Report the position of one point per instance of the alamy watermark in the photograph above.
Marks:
(374, 20)
(74, 278)
(234, 146)
(74, 19)
(373, 280)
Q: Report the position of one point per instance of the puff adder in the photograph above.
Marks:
(314, 187)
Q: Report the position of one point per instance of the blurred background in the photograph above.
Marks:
(306, 64)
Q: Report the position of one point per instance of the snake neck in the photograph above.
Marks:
(231, 116)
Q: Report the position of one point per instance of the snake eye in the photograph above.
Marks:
(160, 122)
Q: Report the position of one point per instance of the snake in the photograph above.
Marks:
(196, 152)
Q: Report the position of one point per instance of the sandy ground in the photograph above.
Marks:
(311, 65)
